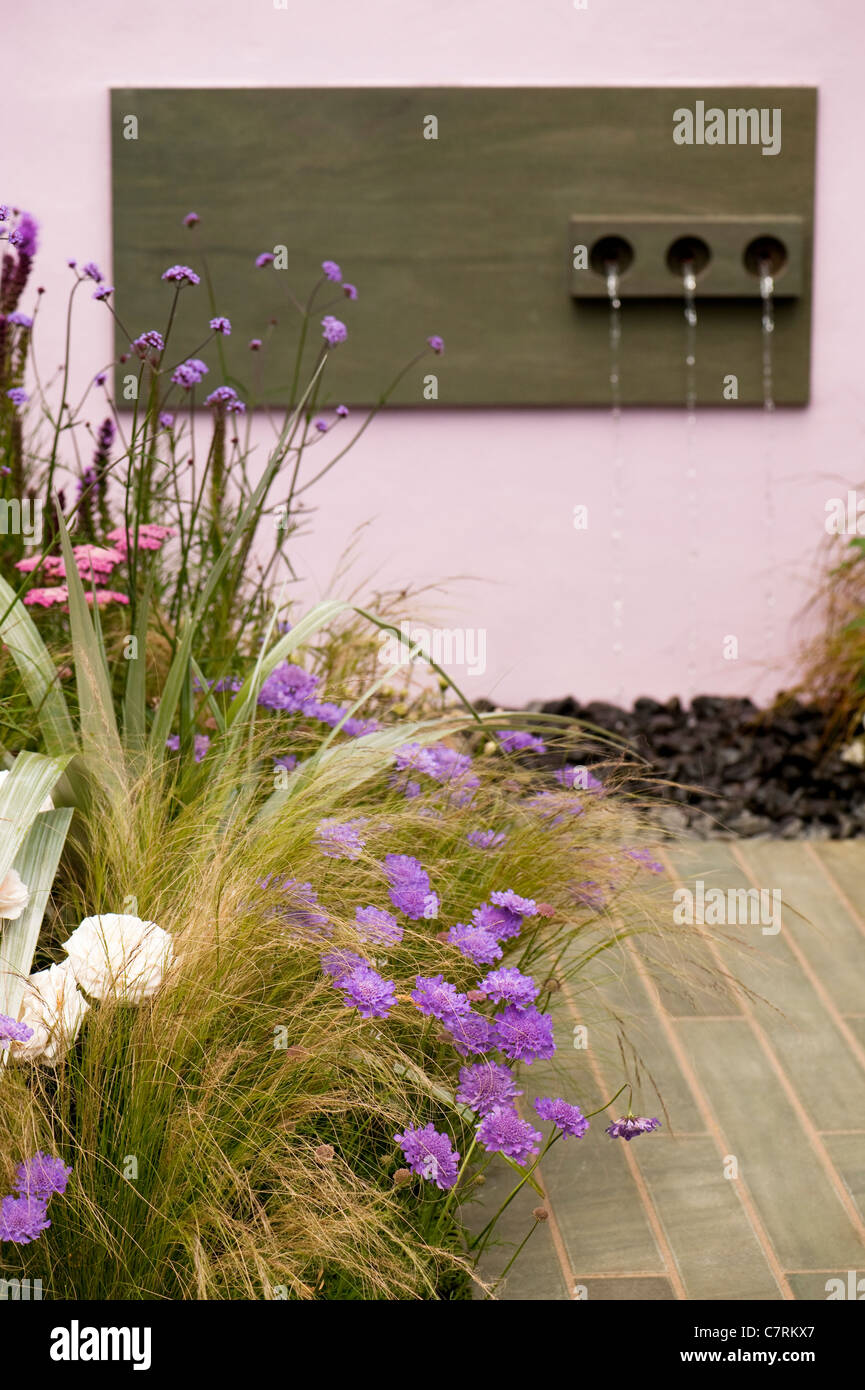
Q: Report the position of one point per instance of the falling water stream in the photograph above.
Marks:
(767, 320)
(616, 487)
(689, 285)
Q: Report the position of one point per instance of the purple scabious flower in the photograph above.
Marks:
(23, 1219)
(524, 1035)
(436, 343)
(512, 902)
(448, 764)
(288, 761)
(632, 1125)
(552, 806)
(410, 887)
(342, 411)
(568, 1118)
(578, 777)
(509, 986)
(221, 325)
(646, 859)
(21, 320)
(190, 373)
(517, 741)
(12, 1031)
(265, 258)
(18, 396)
(103, 292)
(485, 1085)
(302, 914)
(430, 1154)
(589, 894)
(365, 990)
(92, 271)
(378, 926)
(151, 341)
(471, 1033)
(333, 330)
(502, 1131)
(475, 943)
(331, 271)
(436, 998)
(413, 757)
(498, 921)
(486, 839)
(201, 743)
(350, 291)
(340, 839)
(288, 688)
(191, 219)
(340, 963)
(42, 1176)
(181, 275)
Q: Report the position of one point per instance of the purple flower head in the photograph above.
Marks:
(221, 325)
(502, 1131)
(350, 291)
(512, 902)
(22, 1219)
(181, 275)
(448, 764)
(100, 380)
(191, 219)
(201, 743)
(365, 990)
(498, 921)
(18, 396)
(485, 1085)
(4, 212)
(525, 1035)
(342, 411)
(410, 887)
(265, 258)
(288, 761)
(322, 426)
(632, 1125)
(340, 963)
(42, 1176)
(436, 343)
(578, 777)
(430, 1154)
(301, 914)
(552, 807)
(254, 344)
(471, 1033)
(288, 688)
(331, 271)
(646, 859)
(509, 986)
(589, 894)
(413, 757)
(568, 1118)
(166, 419)
(151, 341)
(517, 741)
(92, 271)
(10, 1031)
(190, 373)
(486, 839)
(475, 943)
(21, 320)
(333, 330)
(224, 398)
(436, 998)
(340, 839)
(103, 292)
(379, 926)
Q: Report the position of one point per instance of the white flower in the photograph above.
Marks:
(854, 753)
(47, 804)
(118, 956)
(14, 896)
(53, 1007)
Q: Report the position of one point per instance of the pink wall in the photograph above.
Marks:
(491, 494)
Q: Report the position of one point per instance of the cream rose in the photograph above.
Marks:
(53, 1007)
(118, 956)
(14, 896)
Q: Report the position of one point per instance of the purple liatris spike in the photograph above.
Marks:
(568, 1118)
(502, 1131)
(430, 1154)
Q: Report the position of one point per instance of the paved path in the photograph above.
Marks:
(755, 1187)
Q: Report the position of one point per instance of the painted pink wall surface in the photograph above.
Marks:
(491, 494)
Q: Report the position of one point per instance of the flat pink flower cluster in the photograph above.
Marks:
(94, 564)
(150, 537)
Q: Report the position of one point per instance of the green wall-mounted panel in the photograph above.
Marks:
(467, 235)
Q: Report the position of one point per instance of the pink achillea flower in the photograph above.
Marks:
(95, 559)
(502, 1131)
(430, 1154)
(151, 536)
(105, 596)
(48, 597)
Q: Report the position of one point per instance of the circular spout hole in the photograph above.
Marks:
(611, 253)
(688, 253)
(765, 255)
